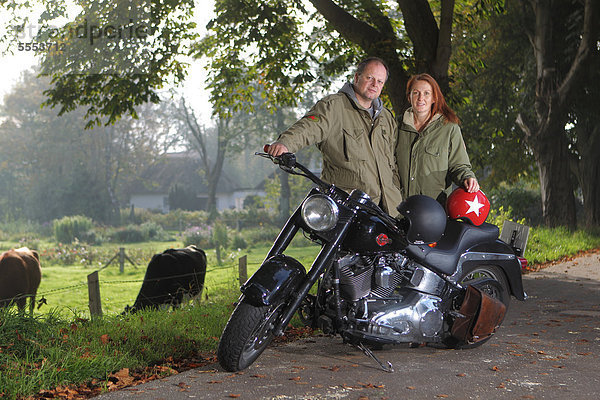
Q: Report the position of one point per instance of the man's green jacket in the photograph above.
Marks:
(357, 149)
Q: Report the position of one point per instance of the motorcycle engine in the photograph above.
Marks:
(391, 299)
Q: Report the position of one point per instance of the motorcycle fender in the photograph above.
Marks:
(511, 267)
(276, 278)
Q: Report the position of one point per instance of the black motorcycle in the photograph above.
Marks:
(380, 280)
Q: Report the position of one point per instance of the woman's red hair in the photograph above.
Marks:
(439, 105)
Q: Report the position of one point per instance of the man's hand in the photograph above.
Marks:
(277, 149)
(471, 185)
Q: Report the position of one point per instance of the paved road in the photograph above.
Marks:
(548, 348)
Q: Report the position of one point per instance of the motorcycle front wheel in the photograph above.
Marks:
(246, 335)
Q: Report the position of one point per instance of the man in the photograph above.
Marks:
(356, 136)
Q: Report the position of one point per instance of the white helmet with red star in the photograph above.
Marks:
(473, 207)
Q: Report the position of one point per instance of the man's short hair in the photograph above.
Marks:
(360, 68)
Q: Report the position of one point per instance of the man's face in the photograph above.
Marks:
(369, 83)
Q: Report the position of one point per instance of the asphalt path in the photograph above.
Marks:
(547, 348)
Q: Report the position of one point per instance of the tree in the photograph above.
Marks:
(558, 78)
(584, 120)
(113, 56)
(50, 167)
(269, 42)
(493, 80)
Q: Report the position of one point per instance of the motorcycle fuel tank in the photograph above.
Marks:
(370, 234)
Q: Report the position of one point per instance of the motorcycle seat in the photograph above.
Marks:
(458, 238)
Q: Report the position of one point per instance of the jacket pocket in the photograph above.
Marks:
(354, 148)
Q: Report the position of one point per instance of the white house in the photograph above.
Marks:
(177, 178)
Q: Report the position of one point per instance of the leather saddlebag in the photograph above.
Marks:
(481, 315)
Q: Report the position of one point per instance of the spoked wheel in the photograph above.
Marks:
(474, 274)
(246, 335)
(489, 279)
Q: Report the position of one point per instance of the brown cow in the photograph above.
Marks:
(20, 276)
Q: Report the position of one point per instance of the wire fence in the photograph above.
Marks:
(228, 277)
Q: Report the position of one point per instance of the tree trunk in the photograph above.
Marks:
(431, 44)
(556, 180)
(547, 136)
(215, 171)
(285, 194)
(588, 167)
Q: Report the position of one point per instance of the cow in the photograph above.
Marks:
(169, 276)
(20, 277)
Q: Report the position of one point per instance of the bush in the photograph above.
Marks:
(67, 229)
(247, 218)
(238, 241)
(153, 231)
(520, 202)
(128, 234)
(261, 236)
(200, 236)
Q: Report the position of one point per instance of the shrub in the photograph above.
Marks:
(522, 203)
(261, 236)
(247, 218)
(153, 231)
(200, 236)
(67, 229)
(238, 241)
(128, 234)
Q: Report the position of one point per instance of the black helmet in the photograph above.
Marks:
(426, 219)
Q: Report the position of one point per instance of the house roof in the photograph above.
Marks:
(177, 168)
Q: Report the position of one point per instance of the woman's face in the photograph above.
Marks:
(421, 97)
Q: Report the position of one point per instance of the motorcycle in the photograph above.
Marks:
(379, 280)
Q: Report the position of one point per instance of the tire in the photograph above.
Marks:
(479, 276)
(246, 335)
(472, 274)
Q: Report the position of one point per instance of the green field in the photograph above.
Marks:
(64, 288)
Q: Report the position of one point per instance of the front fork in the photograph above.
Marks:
(320, 264)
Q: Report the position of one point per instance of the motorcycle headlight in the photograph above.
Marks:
(320, 213)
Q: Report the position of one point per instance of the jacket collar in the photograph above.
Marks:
(377, 104)
(408, 120)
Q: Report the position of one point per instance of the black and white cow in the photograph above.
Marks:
(171, 275)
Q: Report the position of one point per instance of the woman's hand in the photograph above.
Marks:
(471, 185)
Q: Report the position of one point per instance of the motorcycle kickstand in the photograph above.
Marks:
(387, 368)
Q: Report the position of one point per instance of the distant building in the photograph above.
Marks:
(176, 179)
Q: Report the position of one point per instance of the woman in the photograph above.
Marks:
(430, 152)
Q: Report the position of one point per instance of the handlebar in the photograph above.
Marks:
(287, 162)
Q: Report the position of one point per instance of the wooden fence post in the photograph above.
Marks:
(94, 295)
(121, 259)
(243, 269)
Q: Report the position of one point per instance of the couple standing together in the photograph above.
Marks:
(364, 148)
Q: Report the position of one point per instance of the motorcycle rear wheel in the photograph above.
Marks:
(472, 274)
(246, 335)
(482, 273)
